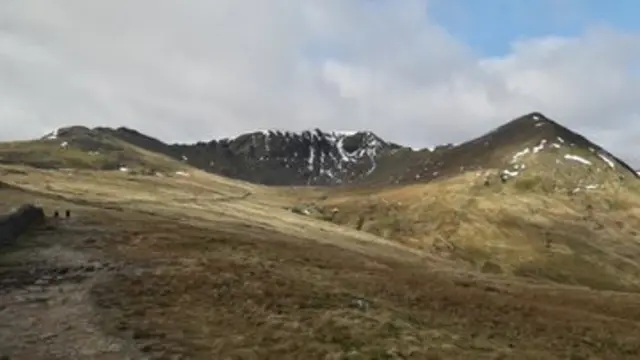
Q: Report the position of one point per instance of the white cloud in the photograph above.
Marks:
(201, 69)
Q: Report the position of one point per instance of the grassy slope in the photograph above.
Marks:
(536, 225)
(49, 154)
(236, 275)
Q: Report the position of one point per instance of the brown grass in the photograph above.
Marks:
(216, 274)
(588, 238)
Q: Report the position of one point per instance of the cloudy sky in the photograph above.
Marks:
(418, 72)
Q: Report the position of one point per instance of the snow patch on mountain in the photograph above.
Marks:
(329, 154)
(607, 160)
(516, 167)
(312, 158)
(52, 135)
(345, 133)
(540, 146)
(578, 159)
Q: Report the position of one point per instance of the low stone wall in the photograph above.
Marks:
(18, 221)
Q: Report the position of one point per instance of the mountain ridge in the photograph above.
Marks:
(317, 157)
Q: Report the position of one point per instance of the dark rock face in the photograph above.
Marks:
(277, 157)
(17, 222)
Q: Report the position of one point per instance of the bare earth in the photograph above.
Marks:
(202, 267)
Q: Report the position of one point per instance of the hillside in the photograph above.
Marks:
(206, 267)
(328, 158)
(523, 243)
(536, 200)
(579, 226)
(78, 147)
(505, 153)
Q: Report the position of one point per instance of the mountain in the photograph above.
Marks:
(330, 158)
(277, 157)
(524, 144)
(528, 146)
(528, 199)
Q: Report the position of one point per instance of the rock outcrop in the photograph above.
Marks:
(17, 222)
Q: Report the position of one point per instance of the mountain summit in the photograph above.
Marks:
(529, 143)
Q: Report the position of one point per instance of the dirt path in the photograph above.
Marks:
(45, 306)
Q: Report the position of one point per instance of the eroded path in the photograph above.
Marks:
(46, 311)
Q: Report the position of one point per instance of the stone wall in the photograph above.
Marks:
(18, 221)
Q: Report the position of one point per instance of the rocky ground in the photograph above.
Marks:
(45, 288)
